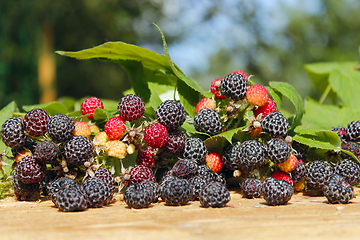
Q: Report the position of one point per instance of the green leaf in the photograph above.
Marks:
(289, 91)
(188, 98)
(7, 112)
(110, 104)
(319, 74)
(123, 51)
(155, 100)
(188, 81)
(101, 114)
(324, 116)
(320, 135)
(314, 142)
(276, 96)
(346, 83)
(137, 77)
(51, 108)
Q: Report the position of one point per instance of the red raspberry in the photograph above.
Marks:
(214, 162)
(205, 103)
(283, 176)
(146, 157)
(89, 105)
(270, 107)
(215, 88)
(156, 135)
(257, 95)
(140, 173)
(115, 128)
(242, 73)
(289, 164)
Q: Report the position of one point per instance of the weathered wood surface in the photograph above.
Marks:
(303, 218)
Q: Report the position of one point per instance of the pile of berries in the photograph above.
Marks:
(61, 157)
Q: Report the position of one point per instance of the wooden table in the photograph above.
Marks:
(304, 217)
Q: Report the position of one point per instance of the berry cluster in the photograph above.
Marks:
(54, 153)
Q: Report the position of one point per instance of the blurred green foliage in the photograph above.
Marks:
(328, 33)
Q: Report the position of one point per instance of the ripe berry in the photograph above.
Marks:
(352, 131)
(352, 147)
(146, 156)
(194, 149)
(46, 152)
(29, 170)
(185, 168)
(137, 196)
(318, 174)
(275, 124)
(78, 150)
(154, 188)
(213, 160)
(208, 121)
(175, 191)
(299, 172)
(350, 170)
(252, 155)
(340, 131)
(89, 105)
(214, 194)
(175, 143)
(196, 184)
(289, 165)
(60, 184)
(234, 86)
(205, 103)
(107, 177)
(171, 114)
(205, 172)
(23, 191)
(12, 133)
(230, 156)
(116, 148)
(276, 192)
(278, 150)
(215, 88)
(251, 187)
(35, 122)
(139, 174)
(269, 107)
(156, 135)
(282, 175)
(71, 200)
(115, 128)
(131, 107)
(242, 73)
(338, 190)
(82, 129)
(257, 95)
(61, 128)
(97, 192)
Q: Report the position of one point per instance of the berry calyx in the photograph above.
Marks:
(89, 105)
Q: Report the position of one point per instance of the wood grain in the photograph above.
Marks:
(304, 217)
